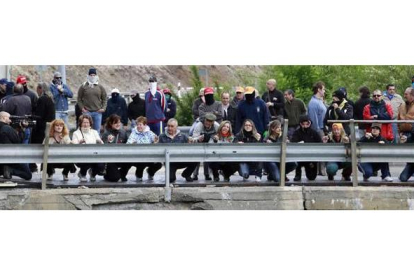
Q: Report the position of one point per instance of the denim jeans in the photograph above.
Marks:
(273, 169)
(407, 172)
(368, 169)
(27, 133)
(395, 133)
(63, 115)
(247, 169)
(96, 118)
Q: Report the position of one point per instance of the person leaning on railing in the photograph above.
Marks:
(85, 134)
(274, 135)
(59, 135)
(115, 134)
(224, 136)
(173, 136)
(249, 134)
(203, 131)
(338, 135)
(141, 134)
(368, 169)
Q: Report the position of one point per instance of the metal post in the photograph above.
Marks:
(167, 196)
(283, 154)
(354, 154)
(45, 156)
(62, 70)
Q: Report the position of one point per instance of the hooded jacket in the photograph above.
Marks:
(116, 105)
(136, 108)
(144, 137)
(345, 111)
(308, 135)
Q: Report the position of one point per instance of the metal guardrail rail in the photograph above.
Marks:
(279, 152)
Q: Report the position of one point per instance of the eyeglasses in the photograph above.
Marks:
(248, 125)
(376, 96)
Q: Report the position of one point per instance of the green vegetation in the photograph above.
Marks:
(301, 79)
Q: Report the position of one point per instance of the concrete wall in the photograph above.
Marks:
(225, 198)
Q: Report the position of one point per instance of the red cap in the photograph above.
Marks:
(166, 91)
(208, 90)
(21, 79)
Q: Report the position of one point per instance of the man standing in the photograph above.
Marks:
(274, 100)
(378, 109)
(196, 104)
(294, 108)
(154, 106)
(26, 91)
(239, 96)
(136, 108)
(61, 92)
(340, 109)
(116, 105)
(171, 109)
(406, 112)
(317, 111)
(173, 136)
(359, 109)
(210, 105)
(3, 84)
(317, 108)
(395, 101)
(229, 111)
(92, 99)
(253, 109)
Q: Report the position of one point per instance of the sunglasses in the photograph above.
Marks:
(376, 96)
(58, 78)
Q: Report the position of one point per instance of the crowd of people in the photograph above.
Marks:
(245, 118)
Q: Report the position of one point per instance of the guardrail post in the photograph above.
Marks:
(167, 195)
(354, 154)
(45, 156)
(283, 154)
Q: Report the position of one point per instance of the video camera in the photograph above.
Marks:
(22, 121)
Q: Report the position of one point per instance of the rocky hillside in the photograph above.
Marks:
(127, 78)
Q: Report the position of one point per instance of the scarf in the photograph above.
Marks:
(92, 80)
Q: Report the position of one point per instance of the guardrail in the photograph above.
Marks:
(279, 152)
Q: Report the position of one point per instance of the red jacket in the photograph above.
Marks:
(386, 129)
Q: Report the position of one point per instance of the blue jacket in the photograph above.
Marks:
(61, 99)
(155, 107)
(257, 112)
(145, 137)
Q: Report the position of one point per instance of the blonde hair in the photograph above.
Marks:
(221, 126)
(58, 122)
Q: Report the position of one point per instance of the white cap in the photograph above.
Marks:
(115, 90)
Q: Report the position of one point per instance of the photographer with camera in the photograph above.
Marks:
(8, 135)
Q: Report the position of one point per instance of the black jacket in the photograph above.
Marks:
(230, 115)
(136, 108)
(121, 136)
(172, 106)
(116, 106)
(346, 113)
(372, 140)
(8, 135)
(18, 105)
(308, 136)
(277, 98)
(45, 112)
(359, 110)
